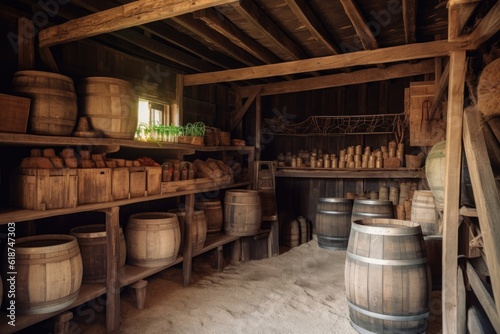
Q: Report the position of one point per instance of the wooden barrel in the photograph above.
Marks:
(364, 209)
(387, 277)
(424, 212)
(92, 242)
(213, 214)
(290, 235)
(53, 109)
(333, 222)
(435, 172)
(49, 273)
(110, 105)
(304, 229)
(242, 212)
(153, 239)
(198, 227)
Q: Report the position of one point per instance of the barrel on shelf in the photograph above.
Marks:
(364, 209)
(53, 109)
(49, 273)
(198, 227)
(333, 222)
(92, 242)
(424, 212)
(213, 213)
(110, 105)
(152, 238)
(387, 277)
(242, 212)
(435, 165)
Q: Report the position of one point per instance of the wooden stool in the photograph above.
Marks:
(140, 293)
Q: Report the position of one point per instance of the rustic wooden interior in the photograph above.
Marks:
(237, 64)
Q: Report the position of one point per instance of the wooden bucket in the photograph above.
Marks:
(333, 222)
(290, 235)
(110, 105)
(424, 212)
(435, 172)
(198, 228)
(153, 239)
(92, 242)
(49, 273)
(242, 212)
(387, 277)
(213, 214)
(54, 108)
(364, 209)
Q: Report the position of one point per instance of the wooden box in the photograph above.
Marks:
(120, 183)
(94, 185)
(14, 114)
(153, 180)
(44, 189)
(137, 181)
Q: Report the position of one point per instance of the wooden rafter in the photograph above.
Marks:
(371, 57)
(241, 112)
(364, 33)
(488, 27)
(121, 17)
(441, 90)
(459, 12)
(410, 20)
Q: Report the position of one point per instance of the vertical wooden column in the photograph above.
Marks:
(25, 44)
(453, 154)
(113, 278)
(188, 243)
(178, 105)
(258, 122)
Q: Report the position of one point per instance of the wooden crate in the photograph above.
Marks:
(120, 183)
(94, 185)
(14, 114)
(44, 189)
(137, 181)
(153, 180)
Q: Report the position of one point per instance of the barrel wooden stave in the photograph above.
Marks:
(242, 212)
(333, 222)
(152, 238)
(92, 242)
(387, 277)
(49, 273)
(198, 228)
(213, 214)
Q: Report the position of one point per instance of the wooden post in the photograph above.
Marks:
(453, 155)
(25, 44)
(61, 325)
(113, 279)
(188, 243)
(258, 120)
(178, 105)
(140, 293)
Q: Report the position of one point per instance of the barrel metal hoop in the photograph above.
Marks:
(415, 317)
(386, 230)
(328, 212)
(335, 200)
(332, 238)
(364, 331)
(384, 262)
(370, 214)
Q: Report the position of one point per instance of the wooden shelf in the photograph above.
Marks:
(87, 293)
(341, 173)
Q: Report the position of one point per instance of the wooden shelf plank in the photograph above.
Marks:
(350, 173)
(132, 274)
(87, 293)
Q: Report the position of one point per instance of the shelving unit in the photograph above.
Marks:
(342, 173)
(131, 274)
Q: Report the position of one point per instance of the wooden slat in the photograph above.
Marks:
(121, 17)
(241, 112)
(112, 272)
(364, 33)
(25, 44)
(371, 57)
(459, 12)
(486, 196)
(343, 79)
(453, 157)
(410, 20)
(488, 27)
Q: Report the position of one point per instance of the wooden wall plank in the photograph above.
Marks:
(25, 44)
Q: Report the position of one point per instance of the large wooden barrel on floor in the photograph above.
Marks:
(92, 242)
(242, 212)
(369, 208)
(53, 109)
(198, 228)
(152, 238)
(49, 273)
(333, 222)
(387, 277)
(424, 212)
(435, 164)
(110, 105)
(213, 213)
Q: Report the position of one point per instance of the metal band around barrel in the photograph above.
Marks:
(384, 262)
(370, 214)
(328, 212)
(386, 230)
(335, 200)
(415, 317)
(332, 238)
(364, 331)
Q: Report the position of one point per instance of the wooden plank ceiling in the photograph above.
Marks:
(223, 35)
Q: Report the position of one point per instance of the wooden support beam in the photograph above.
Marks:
(342, 79)
(363, 31)
(453, 157)
(25, 44)
(258, 122)
(241, 112)
(369, 57)
(112, 272)
(121, 17)
(178, 105)
(486, 196)
(442, 86)
(48, 60)
(188, 243)
(410, 20)
(459, 12)
(488, 27)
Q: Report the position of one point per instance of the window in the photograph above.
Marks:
(152, 116)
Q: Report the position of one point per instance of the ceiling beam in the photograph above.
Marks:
(121, 17)
(364, 33)
(342, 79)
(309, 19)
(459, 12)
(410, 20)
(368, 57)
(488, 27)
